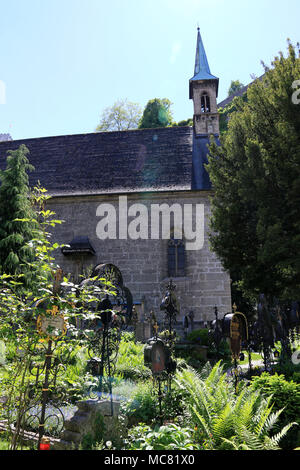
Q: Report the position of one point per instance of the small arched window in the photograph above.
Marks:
(205, 103)
(176, 258)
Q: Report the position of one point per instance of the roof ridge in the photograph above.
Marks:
(97, 133)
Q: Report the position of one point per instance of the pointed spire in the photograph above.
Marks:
(202, 70)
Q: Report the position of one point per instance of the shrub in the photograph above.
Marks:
(128, 372)
(199, 337)
(169, 437)
(288, 369)
(296, 377)
(284, 395)
(186, 359)
(173, 405)
(143, 405)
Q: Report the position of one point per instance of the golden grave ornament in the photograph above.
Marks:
(53, 326)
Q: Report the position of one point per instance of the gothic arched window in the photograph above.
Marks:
(176, 258)
(205, 103)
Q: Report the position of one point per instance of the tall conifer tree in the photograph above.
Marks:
(256, 178)
(15, 204)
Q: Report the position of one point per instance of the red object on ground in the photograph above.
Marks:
(45, 443)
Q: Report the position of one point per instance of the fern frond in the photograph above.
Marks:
(277, 438)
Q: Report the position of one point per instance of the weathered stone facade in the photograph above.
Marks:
(205, 122)
(144, 262)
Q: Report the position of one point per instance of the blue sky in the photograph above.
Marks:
(64, 61)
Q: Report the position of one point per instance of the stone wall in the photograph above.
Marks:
(143, 263)
(85, 422)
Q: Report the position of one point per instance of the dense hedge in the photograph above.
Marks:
(285, 395)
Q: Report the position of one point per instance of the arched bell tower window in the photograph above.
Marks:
(205, 103)
(176, 258)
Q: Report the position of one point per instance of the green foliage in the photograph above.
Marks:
(133, 373)
(25, 346)
(256, 181)
(184, 123)
(289, 370)
(173, 405)
(225, 419)
(199, 337)
(143, 404)
(15, 204)
(284, 395)
(188, 359)
(122, 116)
(296, 377)
(123, 389)
(157, 113)
(225, 113)
(5, 443)
(94, 439)
(168, 437)
(235, 86)
(130, 351)
(2, 353)
(130, 360)
(223, 351)
(75, 380)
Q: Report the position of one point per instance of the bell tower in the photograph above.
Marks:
(204, 91)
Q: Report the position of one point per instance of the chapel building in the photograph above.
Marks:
(149, 167)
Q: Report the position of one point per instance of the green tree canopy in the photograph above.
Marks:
(235, 86)
(256, 178)
(185, 122)
(226, 112)
(122, 116)
(15, 204)
(157, 113)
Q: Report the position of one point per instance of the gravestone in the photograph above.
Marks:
(84, 421)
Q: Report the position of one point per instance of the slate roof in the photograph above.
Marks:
(240, 92)
(111, 162)
(231, 98)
